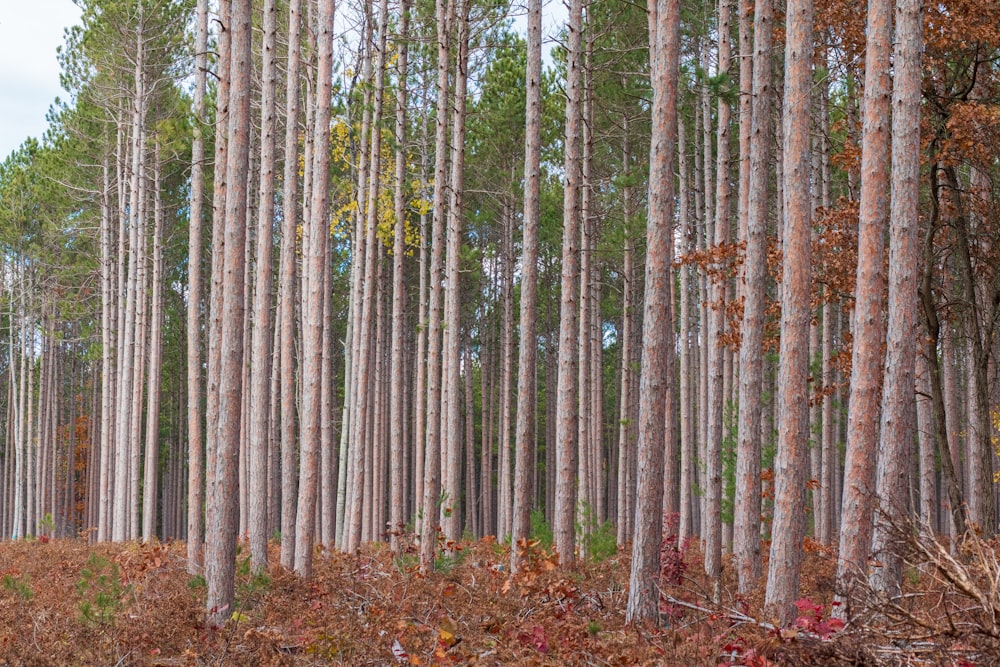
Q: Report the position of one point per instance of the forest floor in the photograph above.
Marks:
(65, 602)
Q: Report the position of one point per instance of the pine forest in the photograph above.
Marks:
(666, 334)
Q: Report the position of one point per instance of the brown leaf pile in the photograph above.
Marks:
(372, 609)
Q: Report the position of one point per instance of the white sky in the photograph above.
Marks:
(30, 32)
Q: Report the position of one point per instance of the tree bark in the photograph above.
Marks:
(397, 416)
(716, 325)
(196, 453)
(657, 358)
(566, 399)
(451, 414)
(445, 11)
(152, 461)
(897, 427)
(524, 432)
(126, 383)
(747, 506)
(504, 482)
(260, 354)
(221, 538)
(312, 301)
(866, 378)
(218, 256)
(793, 370)
(286, 288)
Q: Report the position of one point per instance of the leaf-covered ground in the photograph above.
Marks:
(67, 602)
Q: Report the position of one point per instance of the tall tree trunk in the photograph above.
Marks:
(828, 446)
(524, 432)
(109, 339)
(286, 287)
(139, 372)
(566, 398)
(504, 490)
(685, 526)
(866, 378)
(419, 413)
(793, 370)
(472, 513)
(450, 410)
(625, 448)
(897, 427)
(328, 462)
(716, 325)
(221, 538)
(397, 417)
(747, 507)
(260, 354)
(445, 11)
(351, 529)
(219, 193)
(584, 500)
(127, 371)
(196, 454)
(657, 358)
(312, 301)
(150, 483)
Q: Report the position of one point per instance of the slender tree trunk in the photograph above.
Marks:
(286, 288)
(248, 299)
(125, 395)
(450, 410)
(657, 358)
(598, 492)
(863, 414)
(948, 369)
(716, 326)
(420, 414)
(351, 530)
(584, 501)
(328, 461)
(567, 412)
(828, 446)
(445, 11)
(504, 490)
(223, 524)
(747, 502)
(527, 353)
(926, 437)
(260, 354)
(223, 104)
(108, 344)
(685, 526)
(472, 513)
(897, 427)
(397, 417)
(150, 483)
(139, 373)
(196, 454)
(624, 444)
(793, 369)
(312, 302)
(375, 472)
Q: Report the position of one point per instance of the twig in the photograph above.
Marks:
(730, 614)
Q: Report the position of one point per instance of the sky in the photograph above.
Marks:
(32, 30)
(30, 33)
